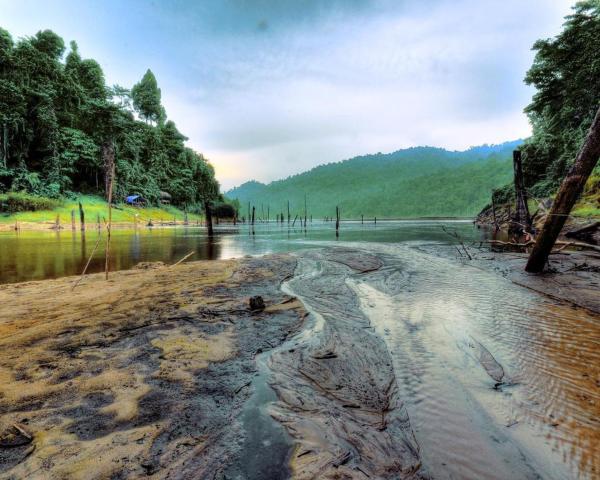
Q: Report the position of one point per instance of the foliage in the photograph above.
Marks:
(55, 115)
(566, 75)
(421, 181)
(13, 202)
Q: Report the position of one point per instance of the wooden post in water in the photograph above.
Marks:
(253, 212)
(337, 221)
(305, 211)
(288, 212)
(362, 219)
(268, 213)
(295, 218)
(82, 218)
(523, 219)
(570, 189)
(375, 220)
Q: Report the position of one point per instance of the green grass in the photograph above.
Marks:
(93, 207)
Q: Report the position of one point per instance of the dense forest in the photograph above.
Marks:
(421, 181)
(57, 116)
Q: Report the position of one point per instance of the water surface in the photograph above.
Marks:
(36, 255)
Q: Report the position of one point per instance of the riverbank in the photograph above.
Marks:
(165, 371)
(145, 374)
(95, 213)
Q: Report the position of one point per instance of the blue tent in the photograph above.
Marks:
(134, 199)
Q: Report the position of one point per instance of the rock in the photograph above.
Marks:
(257, 303)
(14, 436)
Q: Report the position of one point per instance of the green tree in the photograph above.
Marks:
(146, 98)
(566, 75)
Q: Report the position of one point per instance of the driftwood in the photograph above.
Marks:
(183, 259)
(564, 245)
(569, 191)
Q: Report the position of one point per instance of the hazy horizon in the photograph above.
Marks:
(268, 89)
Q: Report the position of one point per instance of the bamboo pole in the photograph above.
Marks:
(567, 195)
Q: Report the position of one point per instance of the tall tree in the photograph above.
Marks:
(146, 98)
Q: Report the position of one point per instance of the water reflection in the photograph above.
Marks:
(27, 255)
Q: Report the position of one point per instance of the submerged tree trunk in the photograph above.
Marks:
(567, 195)
(209, 223)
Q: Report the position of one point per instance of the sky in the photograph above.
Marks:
(270, 88)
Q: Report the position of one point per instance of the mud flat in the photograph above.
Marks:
(146, 374)
(336, 383)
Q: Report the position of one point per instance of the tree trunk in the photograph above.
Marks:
(567, 195)
(522, 219)
(209, 223)
(82, 218)
(108, 154)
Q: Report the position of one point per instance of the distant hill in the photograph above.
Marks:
(415, 182)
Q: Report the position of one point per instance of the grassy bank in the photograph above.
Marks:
(95, 207)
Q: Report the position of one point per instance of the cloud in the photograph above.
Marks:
(267, 88)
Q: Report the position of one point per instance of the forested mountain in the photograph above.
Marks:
(421, 181)
(57, 116)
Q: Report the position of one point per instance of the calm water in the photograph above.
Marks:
(28, 256)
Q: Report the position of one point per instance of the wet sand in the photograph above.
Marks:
(146, 374)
